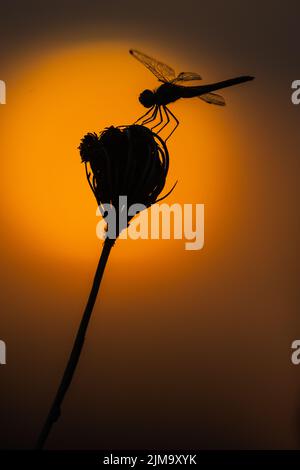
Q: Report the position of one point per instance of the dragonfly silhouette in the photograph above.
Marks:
(171, 90)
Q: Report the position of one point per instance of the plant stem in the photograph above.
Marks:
(55, 410)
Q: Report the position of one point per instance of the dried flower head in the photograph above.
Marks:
(129, 161)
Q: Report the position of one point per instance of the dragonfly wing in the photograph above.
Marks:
(187, 77)
(163, 72)
(213, 98)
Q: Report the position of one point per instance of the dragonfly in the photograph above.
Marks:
(172, 89)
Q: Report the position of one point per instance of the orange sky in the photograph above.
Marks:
(175, 332)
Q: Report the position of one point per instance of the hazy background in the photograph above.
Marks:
(185, 349)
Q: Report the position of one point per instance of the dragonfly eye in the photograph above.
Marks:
(147, 99)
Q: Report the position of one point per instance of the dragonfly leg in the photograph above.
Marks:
(160, 119)
(168, 120)
(144, 115)
(152, 117)
(176, 120)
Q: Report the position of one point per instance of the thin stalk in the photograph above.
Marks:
(55, 410)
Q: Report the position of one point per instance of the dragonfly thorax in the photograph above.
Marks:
(147, 98)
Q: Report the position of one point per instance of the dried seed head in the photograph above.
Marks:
(127, 161)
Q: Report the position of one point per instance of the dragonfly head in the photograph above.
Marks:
(147, 98)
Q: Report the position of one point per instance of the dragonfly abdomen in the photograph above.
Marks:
(193, 91)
